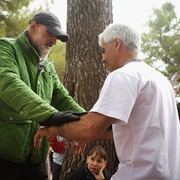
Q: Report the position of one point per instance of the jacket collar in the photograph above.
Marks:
(24, 43)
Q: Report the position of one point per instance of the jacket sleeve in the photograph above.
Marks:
(60, 94)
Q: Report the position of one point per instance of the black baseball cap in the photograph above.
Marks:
(52, 23)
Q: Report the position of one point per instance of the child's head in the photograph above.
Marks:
(96, 159)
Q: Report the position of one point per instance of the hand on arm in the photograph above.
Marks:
(60, 118)
(89, 128)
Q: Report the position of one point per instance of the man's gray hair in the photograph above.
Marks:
(127, 35)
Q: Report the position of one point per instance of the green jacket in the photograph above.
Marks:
(29, 93)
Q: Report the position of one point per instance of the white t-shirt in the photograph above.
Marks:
(147, 137)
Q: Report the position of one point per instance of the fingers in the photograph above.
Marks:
(75, 148)
(43, 131)
(78, 147)
(82, 145)
(37, 140)
(99, 176)
(79, 114)
(104, 165)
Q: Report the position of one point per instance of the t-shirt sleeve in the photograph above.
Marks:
(117, 96)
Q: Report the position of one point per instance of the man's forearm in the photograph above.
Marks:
(80, 131)
(90, 127)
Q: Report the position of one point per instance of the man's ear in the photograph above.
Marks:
(118, 43)
(32, 25)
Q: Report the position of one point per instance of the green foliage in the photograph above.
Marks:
(12, 16)
(162, 41)
(58, 56)
(15, 15)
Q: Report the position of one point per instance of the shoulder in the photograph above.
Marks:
(7, 39)
(76, 174)
(6, 42)
(128, 74)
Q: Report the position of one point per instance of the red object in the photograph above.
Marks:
(56, 146)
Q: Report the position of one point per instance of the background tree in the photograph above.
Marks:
(85, 74)
(161, 42)
(15, 15)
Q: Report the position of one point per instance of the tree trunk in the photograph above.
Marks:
(85, 73)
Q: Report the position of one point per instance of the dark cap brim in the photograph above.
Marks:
(59, 33)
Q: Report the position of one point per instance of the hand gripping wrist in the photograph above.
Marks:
(60, 118)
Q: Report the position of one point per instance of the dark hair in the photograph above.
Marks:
(99, 152)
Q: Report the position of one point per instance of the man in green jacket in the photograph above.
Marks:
(31, 95)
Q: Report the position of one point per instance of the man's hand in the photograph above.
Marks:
(50, 132)
(78, 147)
(61, 117)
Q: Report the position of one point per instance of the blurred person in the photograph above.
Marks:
(94, 168)
(30, 95)
(58, 145)
(139, 103)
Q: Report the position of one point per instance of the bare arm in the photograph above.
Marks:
(89, 128)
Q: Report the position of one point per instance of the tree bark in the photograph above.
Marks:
(85, 73)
